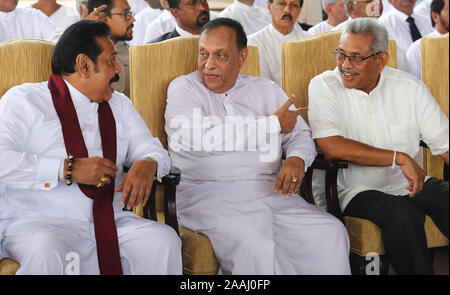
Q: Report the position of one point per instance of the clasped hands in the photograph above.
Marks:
(136, 186)
(291, 174)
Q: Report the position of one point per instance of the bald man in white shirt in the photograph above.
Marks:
(374, 117)
(235, 188)
(283, 28)
(25, 23)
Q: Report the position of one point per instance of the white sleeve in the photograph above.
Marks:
(48, 30)
(19, 169)
(414, 56)
(323, 114)
(141, 141)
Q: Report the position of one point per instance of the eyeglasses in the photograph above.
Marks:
(354, 59)
(128, 15)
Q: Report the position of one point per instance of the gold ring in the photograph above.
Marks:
(294, 179)
(104, 180)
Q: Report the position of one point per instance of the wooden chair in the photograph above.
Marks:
(153, 67)
(299, 66)
(435, 65)
(29, 61)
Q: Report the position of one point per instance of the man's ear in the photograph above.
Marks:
(382, 60)
(175, 12)
(243, 56)
(82, 65)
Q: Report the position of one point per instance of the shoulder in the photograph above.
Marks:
(259, 36)
(397, 79)
(27, 96)
(327, 79)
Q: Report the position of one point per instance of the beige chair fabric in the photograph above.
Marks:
(22, 61)
(435, 65)
(305, 59)
(153, 67)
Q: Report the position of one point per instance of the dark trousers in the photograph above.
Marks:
(402, 220)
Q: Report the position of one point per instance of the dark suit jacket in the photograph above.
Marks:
(166, 36)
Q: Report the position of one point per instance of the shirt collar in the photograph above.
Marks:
(374, 90)
(76, 95)
(241, 5)
(181, 31)
(401, 15)
(278, 34)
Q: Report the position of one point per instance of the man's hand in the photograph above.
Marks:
(137, 184)
(413, 173)
(91, 170)
(97, 14)
(288, 118)
(293, 167)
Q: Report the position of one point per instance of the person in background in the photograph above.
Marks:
(335, 10)
(61, 15)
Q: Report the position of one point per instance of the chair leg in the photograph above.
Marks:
(362, 265)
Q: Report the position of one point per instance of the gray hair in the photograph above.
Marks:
(327, 2)
(369, 26)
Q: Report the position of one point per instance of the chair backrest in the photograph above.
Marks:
(304, 59)
(154, 66)
(24, 61)
(435, 74)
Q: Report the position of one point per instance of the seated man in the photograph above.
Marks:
(283, 28)
(336, 13)
(25, 23)
(374, 117)
(190, 16)
(61, 15)
(46, 222)
(440, 20)
(118, 16)
(143, 19)
(230, 190)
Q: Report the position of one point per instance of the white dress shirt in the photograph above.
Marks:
(269, 42)
(424, 9)
(143, 19)
(27, 23)
(252, 18)
(398, 113)
(138, 5)
(398, 27)
(414, 55)
(321, 27)
(227, 189)
(32, 151)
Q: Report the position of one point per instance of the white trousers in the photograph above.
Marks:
(273, 235)
(61, 246)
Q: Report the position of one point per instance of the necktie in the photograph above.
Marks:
(415, 33)
(104, 224)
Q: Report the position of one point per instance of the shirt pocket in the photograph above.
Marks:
(405, 138)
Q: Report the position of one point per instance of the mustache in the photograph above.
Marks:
(115, 78)
(287, 15)
(349, 71)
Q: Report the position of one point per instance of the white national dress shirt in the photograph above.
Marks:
(65, 16)
(398, 27)
(321, 27)
(252, 18)
(143, 19)
(32, 151)
(163, 24)
(269, 42)
(424, 9)
(398, 113)
(27, 23)
(414, 55)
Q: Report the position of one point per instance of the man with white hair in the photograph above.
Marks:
(20, 23)
(440, 21)
(335, 10)
(374, 117)
(283, 28)
(404, 25)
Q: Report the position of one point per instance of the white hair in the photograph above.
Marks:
(369, 26)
